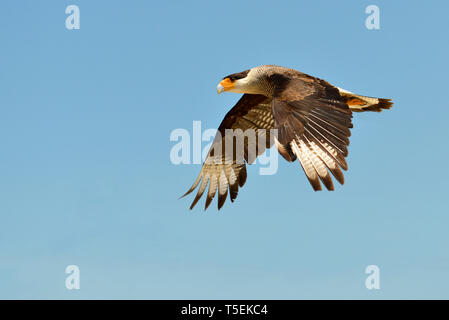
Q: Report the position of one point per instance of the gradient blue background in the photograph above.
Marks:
(86, 179)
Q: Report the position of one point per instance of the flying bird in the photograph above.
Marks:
(312, 119)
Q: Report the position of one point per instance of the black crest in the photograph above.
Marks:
(236, 76)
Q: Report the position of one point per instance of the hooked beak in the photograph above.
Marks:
(220, 88)
(225, 85)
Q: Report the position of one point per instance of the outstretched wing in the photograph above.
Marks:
(313, 123)
(224, 168)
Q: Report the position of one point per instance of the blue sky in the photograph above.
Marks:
(86, 178)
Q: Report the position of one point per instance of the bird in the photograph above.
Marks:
(311, 118)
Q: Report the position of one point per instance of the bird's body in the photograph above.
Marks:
(306, 117)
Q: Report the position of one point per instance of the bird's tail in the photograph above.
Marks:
(362, 103)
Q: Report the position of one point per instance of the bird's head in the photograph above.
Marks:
(241, 82)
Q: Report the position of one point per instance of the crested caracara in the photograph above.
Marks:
(311, 118)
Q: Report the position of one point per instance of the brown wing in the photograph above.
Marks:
(313, 123)
(223, 169)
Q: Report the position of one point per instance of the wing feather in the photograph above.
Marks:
(314, 121)
(222, 171)
(222, 189)
(306, 164)
(203, 186)
(212, 190)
